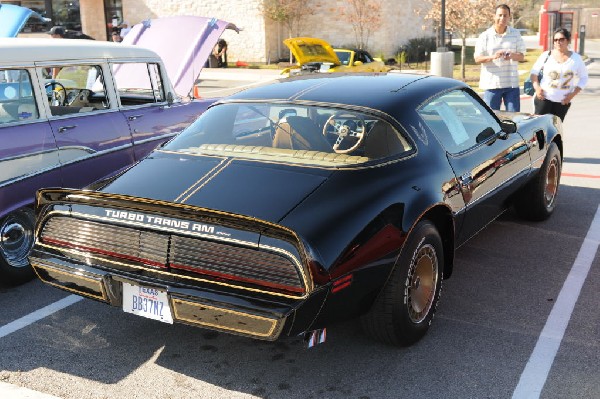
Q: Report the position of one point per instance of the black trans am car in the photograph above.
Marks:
(311, 200)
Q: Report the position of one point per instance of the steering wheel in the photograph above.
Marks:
(349, 129)
(58, 97)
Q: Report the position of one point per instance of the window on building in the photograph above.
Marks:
(66, 13)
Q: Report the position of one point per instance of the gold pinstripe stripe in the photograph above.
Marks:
(205, 182)
(200, 181)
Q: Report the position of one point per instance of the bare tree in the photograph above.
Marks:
(363, 15)
(291, 13)
(464, 17)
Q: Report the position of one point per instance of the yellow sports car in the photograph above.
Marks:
(316, 55)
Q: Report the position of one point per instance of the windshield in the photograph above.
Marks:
(291, 133)
(344, 56)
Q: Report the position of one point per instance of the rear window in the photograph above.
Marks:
(291, 133)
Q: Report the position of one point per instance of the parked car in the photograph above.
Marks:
(316, 55)
(14, 18)
(287, 207)
(359, 57)
(72, 112)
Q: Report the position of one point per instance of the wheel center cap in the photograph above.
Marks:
(417, 283)
(11, 233)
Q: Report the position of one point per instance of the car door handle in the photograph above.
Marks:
(63, 129)
(134, 117)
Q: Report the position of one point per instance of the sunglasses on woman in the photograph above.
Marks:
(560, 39)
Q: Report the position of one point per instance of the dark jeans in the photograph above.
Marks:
(510, 96)
(544, 106)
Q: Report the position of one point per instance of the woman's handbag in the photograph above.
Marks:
(528, 84)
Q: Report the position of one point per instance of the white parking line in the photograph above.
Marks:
(9, 391)
(536, 371)
(38, 315)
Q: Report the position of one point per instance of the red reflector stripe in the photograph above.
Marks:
(103, 252)
(226, 276)
(342, 283)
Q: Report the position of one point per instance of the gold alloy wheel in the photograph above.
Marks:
(422, 283)
(551, 183)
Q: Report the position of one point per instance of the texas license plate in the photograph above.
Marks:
(147, 302)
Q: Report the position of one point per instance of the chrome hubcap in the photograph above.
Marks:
(16, 239)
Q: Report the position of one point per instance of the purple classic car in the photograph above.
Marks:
(73, 112)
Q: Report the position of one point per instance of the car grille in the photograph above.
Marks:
(176, 254)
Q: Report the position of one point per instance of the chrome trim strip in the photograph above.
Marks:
(19, 122)
(97, 111)
(18, 179)
(490, 191)
(156, 138)
(30, 154)
(93, 153)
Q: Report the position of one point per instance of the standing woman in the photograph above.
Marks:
(564, 76)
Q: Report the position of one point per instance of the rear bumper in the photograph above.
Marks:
(255, 318)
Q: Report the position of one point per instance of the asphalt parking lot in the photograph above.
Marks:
(517, 319)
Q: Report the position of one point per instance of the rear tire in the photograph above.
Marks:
(538, 199)
(403, 312)
(16, 240)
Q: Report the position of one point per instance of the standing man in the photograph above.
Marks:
(499, 50)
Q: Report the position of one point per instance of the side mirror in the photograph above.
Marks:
(508, 126)
(485, 134)
(357, 63)
(170, 98)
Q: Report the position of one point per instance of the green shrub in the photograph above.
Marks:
(415, 49)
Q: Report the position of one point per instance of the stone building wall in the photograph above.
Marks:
(93, 21)
(261, 39)
(249, 45)
(590, 17)
(399, 23)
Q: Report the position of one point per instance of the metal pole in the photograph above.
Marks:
(443, 29)
(581, 39)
